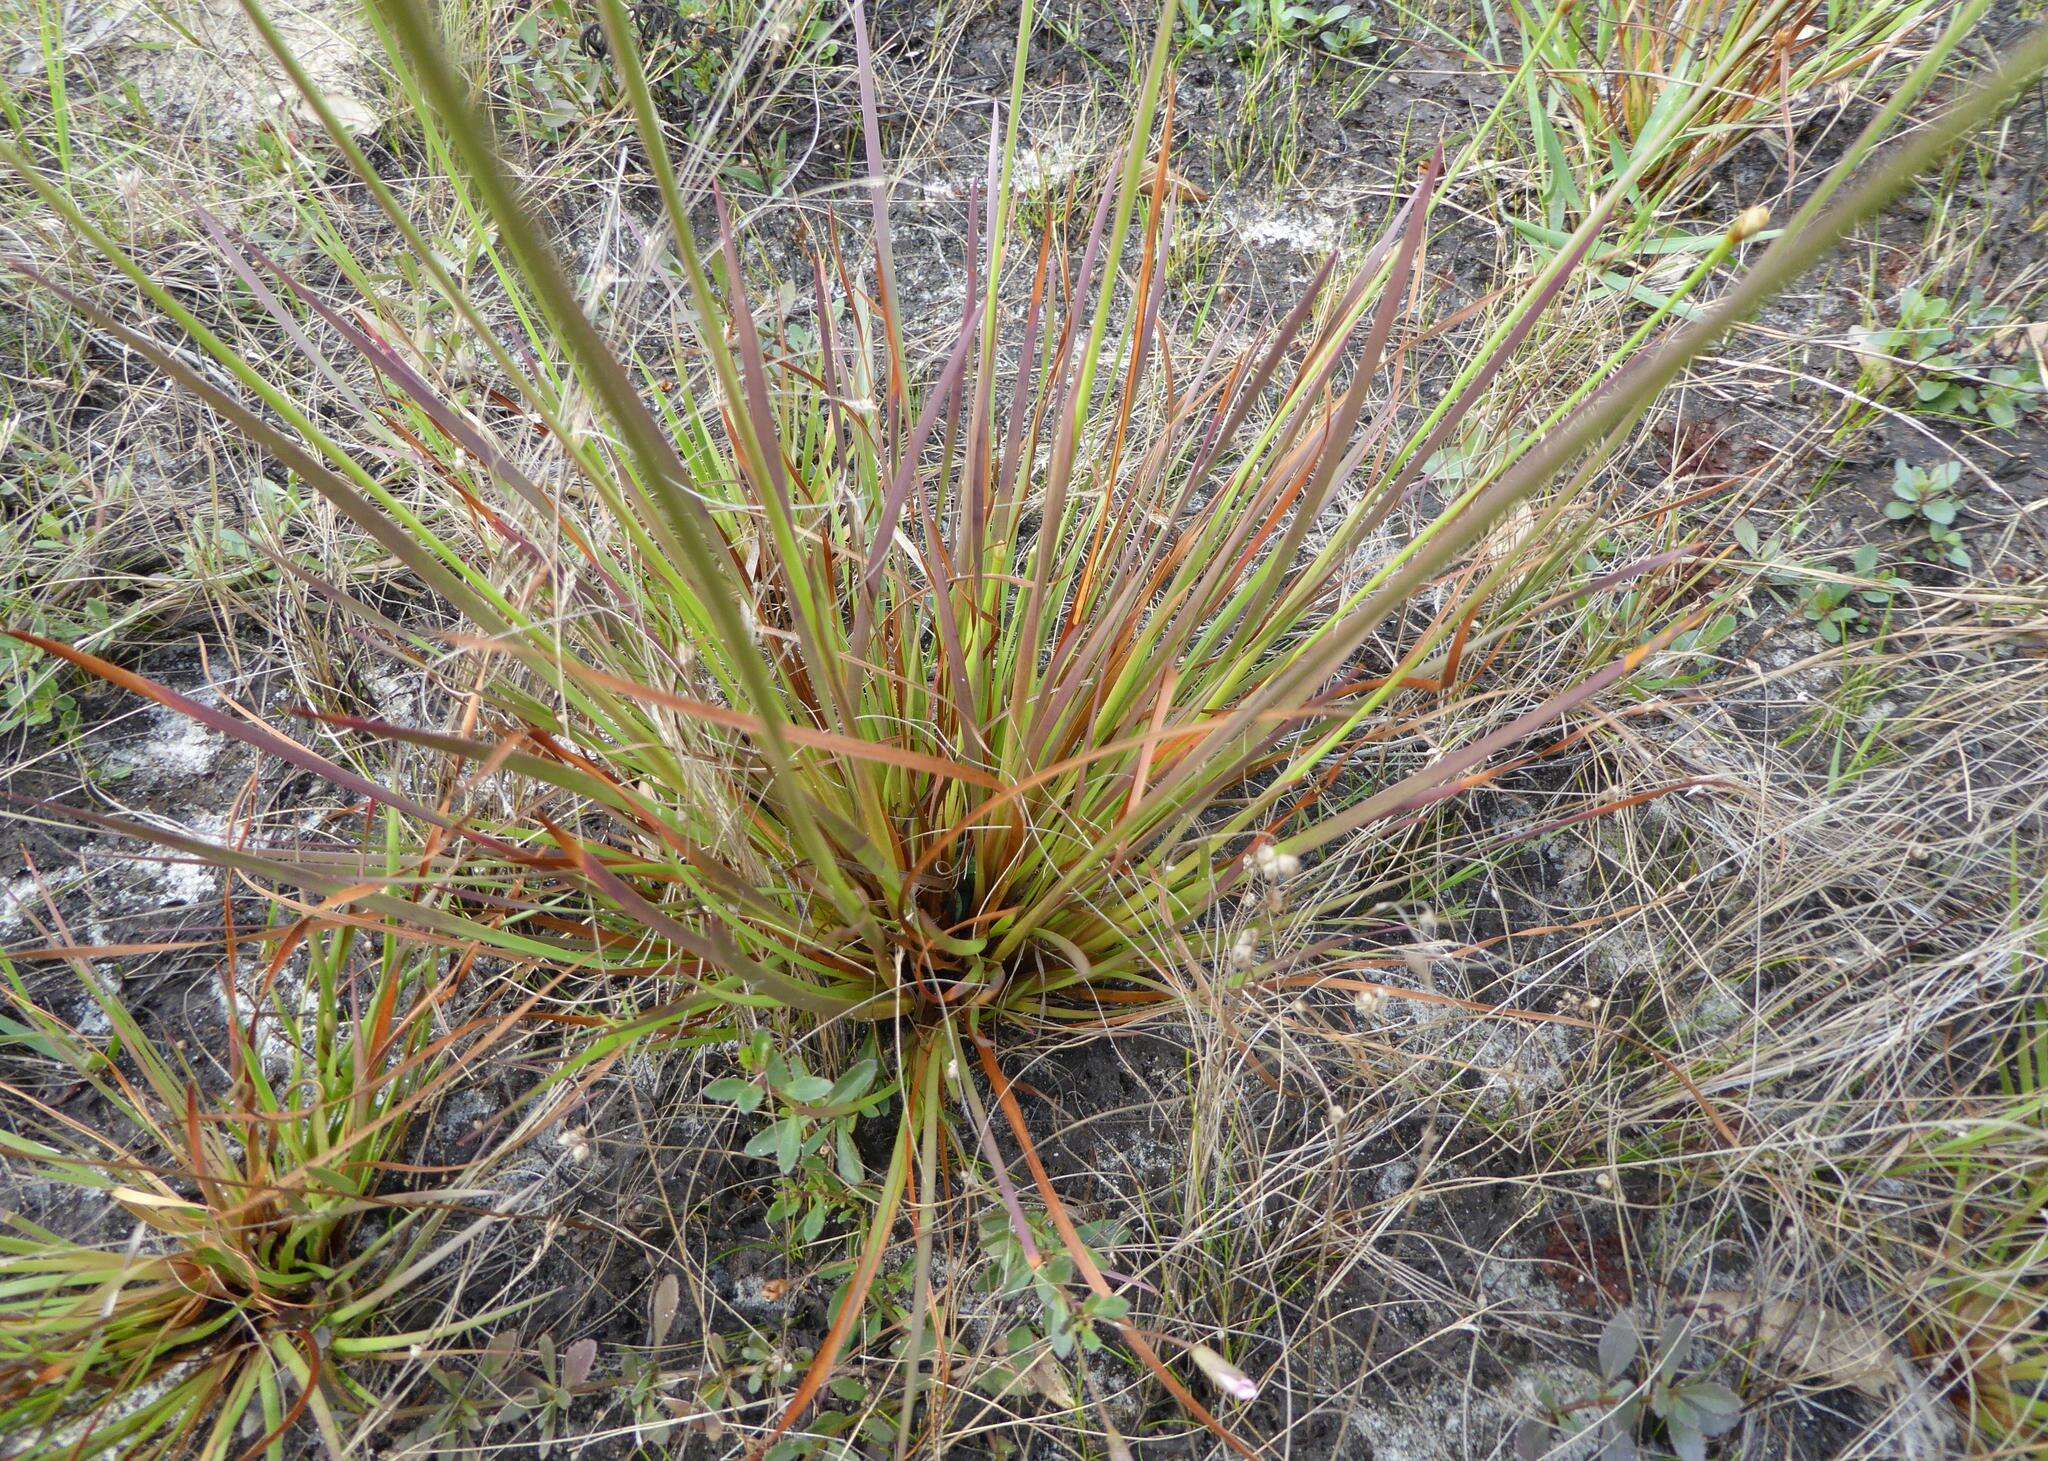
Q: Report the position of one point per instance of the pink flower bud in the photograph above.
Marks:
(1225, 1376)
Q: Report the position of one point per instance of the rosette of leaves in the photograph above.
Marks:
(1927, 495)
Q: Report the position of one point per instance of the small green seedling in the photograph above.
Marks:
(739, 1370)
(655, 1413)
(756, 1364)
(461, 1418)
(1691, 655)
(1773, 554)
(1927, 495)
(1948, 353)
(1835, 608)
(1832, 606)
(811, 1138)
(1011, 1273)
(556, 1385)
(1692, 1410)
(547, 1389)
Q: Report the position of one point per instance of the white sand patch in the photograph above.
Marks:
(15, 901)
(201, 68)
(1038, 168)
(177, 748)
(1440, 1421)
(1302, 231)
(187, 882)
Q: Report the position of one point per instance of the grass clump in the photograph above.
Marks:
(1683, 83)
(930, 700)
(273, 1239)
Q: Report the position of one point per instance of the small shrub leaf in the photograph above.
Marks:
(809, 1090)
(1620, 1342)
(741, 1093)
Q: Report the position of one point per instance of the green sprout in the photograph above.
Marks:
(1926, 495)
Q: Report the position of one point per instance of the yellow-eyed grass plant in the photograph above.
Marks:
(927, 698)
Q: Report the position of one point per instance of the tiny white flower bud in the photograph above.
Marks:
(1287, 866)
(1604, 1181)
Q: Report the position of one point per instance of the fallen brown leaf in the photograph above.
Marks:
(1813, 1341)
